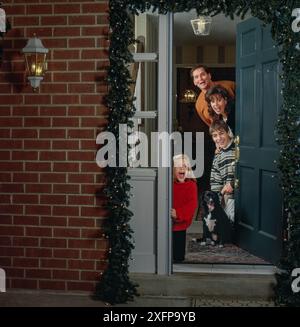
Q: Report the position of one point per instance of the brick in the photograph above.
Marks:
(92, 233)
(66, 253)
(4, 155)
(37, 144)
(66, 77)
(81, 244)
(54, 221)
(53, 243)
(38, 188)
(93, 122)
(95, 31)
(11, 166)
(53, 88)
(66, 167)
(5, 241)
(82, 88)
(24, 155)
(93, 254)
(38, 273)
(39, 10)
(53, 133)
(38, 252)
(81, 264)
(26, 220)
(25, 198)
(25, 21)
(66, 122)
(5, 198)
(81, 134)
(5, 262)
(10, 144)
(66, 8)
(5, 177)
(65, 99)
(38, 231)
(81, 200)
(14, 252)
(90, 275)
(65, 189)
(52, 156)
(25, 177)
(94, 8)
(53, 21)
(82, 110)
(82, 43)
(67, 145)
(25, 241)
(14, 272)
(25, 262)
(24, 283)
(81, 66)
(37, 166)
(80, 178)
(37, 122)
(66, 54)
(88, 189)
(65, 32)
(66, 274)
(91, 99)
(52, 285)
(53, 199)
(90, 167)
(5, 133)
(14, 9)
(53, 263)
(38, 210)
(5, 219)
(65, 211)
(66, 232)
(41, 32)
(11, 122)
(82, 20)
(81, 156)
(25, 111)
(24, 133)
(55, 43)
(8, 99)
(94, 54)
(11, 209)
(52, 178)
(37, 99)
(81, 222)
(53, 110)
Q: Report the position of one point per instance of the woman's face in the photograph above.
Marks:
(218, 104)
(180, 170)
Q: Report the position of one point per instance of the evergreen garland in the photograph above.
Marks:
(115, 285)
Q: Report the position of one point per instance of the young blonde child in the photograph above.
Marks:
(185, 202)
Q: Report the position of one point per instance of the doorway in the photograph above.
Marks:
(257, 239)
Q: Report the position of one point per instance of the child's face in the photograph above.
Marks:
(218, 104)
(221, 138)
(180, 170)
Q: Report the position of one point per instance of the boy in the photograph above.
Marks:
(223, 167)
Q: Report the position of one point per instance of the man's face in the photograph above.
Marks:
(202, 79)
(221, 138)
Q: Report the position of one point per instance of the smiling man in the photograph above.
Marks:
(202, 78)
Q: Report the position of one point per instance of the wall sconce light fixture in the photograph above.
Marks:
(36, 64)
(201, 25)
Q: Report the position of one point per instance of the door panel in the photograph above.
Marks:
(258, 200)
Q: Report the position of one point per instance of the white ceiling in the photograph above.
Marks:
(223, 30)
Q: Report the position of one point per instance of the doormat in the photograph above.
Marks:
(230, 253)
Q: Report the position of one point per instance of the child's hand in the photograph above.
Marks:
(173, 214)
(227, 189)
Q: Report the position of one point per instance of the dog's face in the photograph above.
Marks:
(210, 200)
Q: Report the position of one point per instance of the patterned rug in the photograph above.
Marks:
(230, 253)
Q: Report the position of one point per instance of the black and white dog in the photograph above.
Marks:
(216, 225)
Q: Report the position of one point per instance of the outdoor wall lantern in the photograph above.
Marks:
(201, 25)
(35, 57)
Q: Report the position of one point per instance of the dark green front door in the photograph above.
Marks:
(258, 198)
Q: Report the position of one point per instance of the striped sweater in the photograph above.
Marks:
(223, 169)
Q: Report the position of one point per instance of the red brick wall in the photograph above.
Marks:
(50, 216)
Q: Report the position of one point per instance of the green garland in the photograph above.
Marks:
(115, 285)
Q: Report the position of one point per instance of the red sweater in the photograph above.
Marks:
(185, 202)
